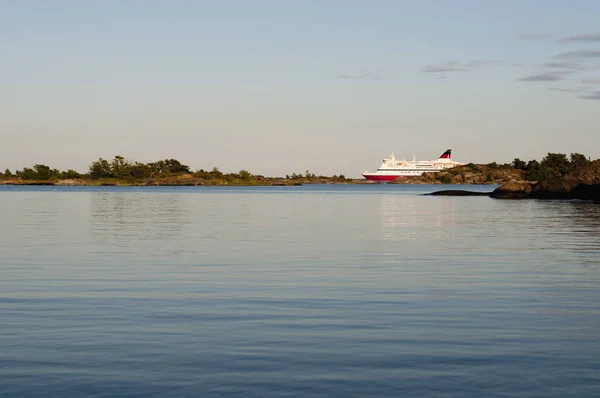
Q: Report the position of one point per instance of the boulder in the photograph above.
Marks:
(457, 192)
(586, 192)
(36, 183)
(457, 179)
(512, 190)
(554, 188)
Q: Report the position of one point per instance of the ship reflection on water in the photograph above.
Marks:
(409, 217)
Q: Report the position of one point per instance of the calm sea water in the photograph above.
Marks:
(311, 291)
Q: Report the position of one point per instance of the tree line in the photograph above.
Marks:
(119, 167)
(552, 165)
(125, 169)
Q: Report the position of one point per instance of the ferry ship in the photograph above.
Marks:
(392, 168)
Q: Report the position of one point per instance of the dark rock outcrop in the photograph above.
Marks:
(457, 192)
(564, 187)
(582, 183)
(43, 183)
(586, 192)
(512, 190)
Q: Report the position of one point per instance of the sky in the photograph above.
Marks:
(277, 87)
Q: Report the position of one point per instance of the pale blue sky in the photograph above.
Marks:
(284, 86)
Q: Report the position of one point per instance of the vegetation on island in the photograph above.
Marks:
(552, 165)
(122, 171)
(577, 179)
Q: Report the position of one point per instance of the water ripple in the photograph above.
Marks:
(312, 291)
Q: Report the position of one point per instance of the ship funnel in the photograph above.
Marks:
(447, 154)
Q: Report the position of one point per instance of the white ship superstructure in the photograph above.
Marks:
(392, 168)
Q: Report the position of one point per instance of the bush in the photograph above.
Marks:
(245, 175)
(70, 174)
(38, 172)
(100, 169)
(519, 164)
(120, 167)
(444, 179)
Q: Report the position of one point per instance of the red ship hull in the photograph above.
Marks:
(380, 177)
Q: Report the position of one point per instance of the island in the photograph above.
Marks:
(524, 178)
(169, 172)
(580, 182)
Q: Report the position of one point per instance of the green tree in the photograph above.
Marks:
(203, 174)
(100, 169)
(175, 166)
(577, 160)
(532, 165)
(140, 170)
(120, 167)
(245, 175)
(554, 164)
(157, 168)
(519, 164)
(216, 173)
(26, 174)
(7, 173)
(44, 172)
(38, 172)
(70, 174)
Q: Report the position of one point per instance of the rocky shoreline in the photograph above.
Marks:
(583, 183)
(462, 175)
(467, 174)
(578, 183)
